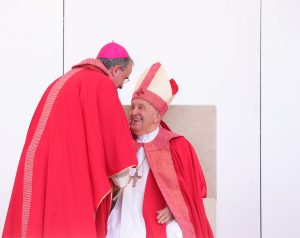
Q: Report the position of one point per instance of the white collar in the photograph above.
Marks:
(148, 137)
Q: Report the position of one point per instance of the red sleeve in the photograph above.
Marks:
(118, 147)
(188, 166)
(107, 128)
(192, 183)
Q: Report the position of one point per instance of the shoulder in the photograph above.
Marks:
(89, 80)
(94, 74)
(182, 146)
(180, 140)
(175, 140)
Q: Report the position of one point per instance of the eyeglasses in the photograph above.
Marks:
(126, 80)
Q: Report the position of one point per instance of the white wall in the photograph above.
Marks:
(211, 48)
(280, 119)
(30, 58)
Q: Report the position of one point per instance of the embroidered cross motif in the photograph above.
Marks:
(140, 91)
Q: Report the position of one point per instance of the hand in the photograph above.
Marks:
(164, 216)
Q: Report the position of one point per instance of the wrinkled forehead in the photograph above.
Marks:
(142, 103)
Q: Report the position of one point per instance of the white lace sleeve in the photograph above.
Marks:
(121, 179)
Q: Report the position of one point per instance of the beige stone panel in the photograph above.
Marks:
(198, 125)
(210, 209)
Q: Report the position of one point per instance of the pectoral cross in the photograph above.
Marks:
(134, 177)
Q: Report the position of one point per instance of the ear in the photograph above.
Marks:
(115, 69)
(157, 117)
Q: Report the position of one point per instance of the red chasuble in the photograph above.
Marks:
(175, 179)
(77, 139)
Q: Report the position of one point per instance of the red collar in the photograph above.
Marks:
(160, 141)
(93, 63)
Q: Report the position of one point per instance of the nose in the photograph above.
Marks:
(133, 111)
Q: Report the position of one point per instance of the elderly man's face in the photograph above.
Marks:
(143, 117)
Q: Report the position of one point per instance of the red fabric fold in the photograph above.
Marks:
(84, 141)
(192, 184)
(163, 186)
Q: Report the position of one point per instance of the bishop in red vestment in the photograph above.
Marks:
(165, 194)
(77, 143)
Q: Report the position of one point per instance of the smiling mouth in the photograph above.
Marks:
(135, 120)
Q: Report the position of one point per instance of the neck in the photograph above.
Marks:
(147, 137)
